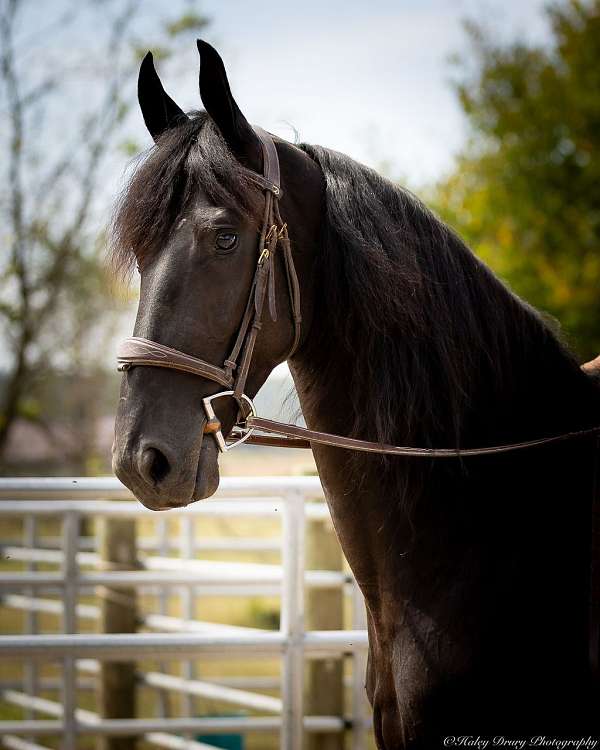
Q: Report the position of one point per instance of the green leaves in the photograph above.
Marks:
(129, 147)
(187, 22)
(526, 191)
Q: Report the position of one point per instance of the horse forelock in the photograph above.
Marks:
(190, 157)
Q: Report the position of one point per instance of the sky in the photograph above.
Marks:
(370, 79)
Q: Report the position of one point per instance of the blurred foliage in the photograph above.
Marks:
(263, 614)
(188, 21)
(525, 193)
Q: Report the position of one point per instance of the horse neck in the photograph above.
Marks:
(380, 506)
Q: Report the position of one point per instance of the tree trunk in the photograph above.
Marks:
(14, 391)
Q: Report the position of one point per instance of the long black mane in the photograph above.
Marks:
(421, 329)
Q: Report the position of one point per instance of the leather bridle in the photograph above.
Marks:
(136, 351)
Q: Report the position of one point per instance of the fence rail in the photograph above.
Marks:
(292, 501)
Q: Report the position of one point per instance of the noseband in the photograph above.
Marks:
(136, 351)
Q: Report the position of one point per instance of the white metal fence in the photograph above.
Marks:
(292, 500)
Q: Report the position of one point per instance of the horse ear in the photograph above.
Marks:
(158, 109)
(223, 110)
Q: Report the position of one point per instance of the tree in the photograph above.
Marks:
(63, 119)
(526, 190)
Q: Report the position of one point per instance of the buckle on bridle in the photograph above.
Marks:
(213, 425)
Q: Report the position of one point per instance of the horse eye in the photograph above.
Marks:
(226, 240)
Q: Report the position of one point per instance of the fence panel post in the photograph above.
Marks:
(324, 611)
(30, 674)
(118, 614)
(187, 612)
(70, 571)
(162, 696)
(360, 709)
(292, 622)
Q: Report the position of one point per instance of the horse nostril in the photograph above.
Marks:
(154, 465)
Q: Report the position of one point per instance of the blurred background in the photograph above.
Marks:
(489, 111)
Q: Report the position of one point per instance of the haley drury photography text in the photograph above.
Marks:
(541, 740)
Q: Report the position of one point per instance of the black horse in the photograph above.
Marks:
(476, 572)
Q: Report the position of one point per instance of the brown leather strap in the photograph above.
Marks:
(273, 441)
(135, 351)
(306, 437)
(271, 172)
(292, 280)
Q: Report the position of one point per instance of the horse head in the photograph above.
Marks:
(204, 227)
